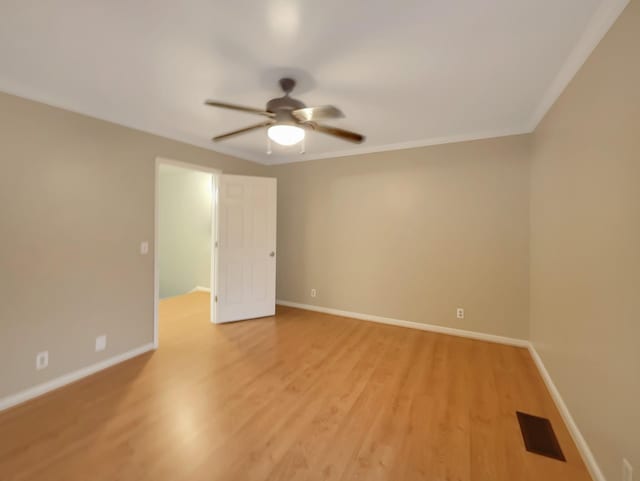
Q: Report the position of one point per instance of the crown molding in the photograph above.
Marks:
(413, 144)
(166, 134)
(599, 24)
(271, 159)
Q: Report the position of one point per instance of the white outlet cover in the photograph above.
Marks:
(460, 313)
(101, 343)
(42, 360)
(144, 247)
(314, 293)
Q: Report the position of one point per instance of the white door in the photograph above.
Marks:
(245, 287)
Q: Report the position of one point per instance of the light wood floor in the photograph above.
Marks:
(301, 396)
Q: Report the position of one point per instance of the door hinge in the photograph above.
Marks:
(215, 299)
(216, 244)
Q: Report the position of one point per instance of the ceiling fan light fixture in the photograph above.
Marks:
(288, 118)
(285, 134)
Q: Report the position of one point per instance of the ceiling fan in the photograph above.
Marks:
(288, 118)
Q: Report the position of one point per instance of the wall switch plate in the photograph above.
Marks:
(627, 471)
(42, 360)
(101, 343)
(460, 313)
(314, 293)
(144, 248)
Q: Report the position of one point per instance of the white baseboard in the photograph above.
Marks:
(581, 443)
(40, 389)
(200, 289)
(578, 438)
(411, 324)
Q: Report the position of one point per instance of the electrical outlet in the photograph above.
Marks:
(627, 471)
(144, 248)
(42, 360)
(101, 343)
(314, 293)
(460, 313)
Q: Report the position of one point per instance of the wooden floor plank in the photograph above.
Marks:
(300, 395)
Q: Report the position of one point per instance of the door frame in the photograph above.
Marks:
(215, 173)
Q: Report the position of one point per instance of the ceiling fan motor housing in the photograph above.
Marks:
(282, 108)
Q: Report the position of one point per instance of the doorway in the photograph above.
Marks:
(185, 233)
(216, 228)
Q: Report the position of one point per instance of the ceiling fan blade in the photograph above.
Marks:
(312, 114)
(261, 125)
(340, 133)
(250, 110)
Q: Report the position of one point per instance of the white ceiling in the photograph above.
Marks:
(406, 73)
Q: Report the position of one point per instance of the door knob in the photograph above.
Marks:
(272, 254)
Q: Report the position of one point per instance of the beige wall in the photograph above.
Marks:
(585, 246)
(77, 197)
(411, 234)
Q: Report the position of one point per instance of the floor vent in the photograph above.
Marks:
(539, 437)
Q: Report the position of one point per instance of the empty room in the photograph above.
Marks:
(341, 240)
